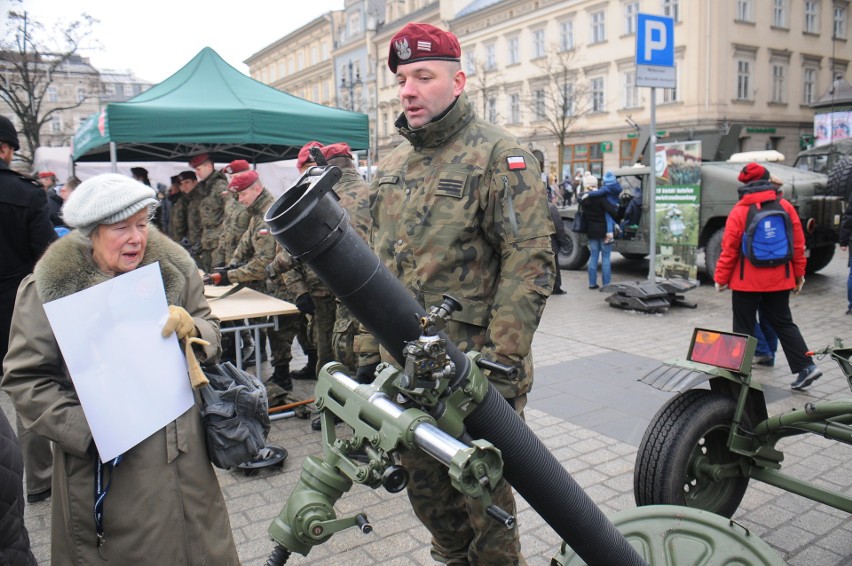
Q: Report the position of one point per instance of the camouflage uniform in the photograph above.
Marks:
(211, 212)
(347, 345)
(177, 219)
(287, 287)
(461, 209)
(189, 226)
(233, 227)
(256, 248)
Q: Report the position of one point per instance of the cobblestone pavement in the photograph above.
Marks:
(590, 412)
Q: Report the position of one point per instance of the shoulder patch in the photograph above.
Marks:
(516, 162)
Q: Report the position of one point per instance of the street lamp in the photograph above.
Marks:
(351, 84)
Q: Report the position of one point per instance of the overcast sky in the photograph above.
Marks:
(155, 38)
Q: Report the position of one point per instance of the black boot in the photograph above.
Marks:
(309, 371)
(281, 378)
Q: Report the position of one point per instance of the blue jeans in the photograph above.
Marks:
(767, 339)
(599, 249)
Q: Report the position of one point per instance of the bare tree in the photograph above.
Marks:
(29, 66)
(484, 83)
(558, 97)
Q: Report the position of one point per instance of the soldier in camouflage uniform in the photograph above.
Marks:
(186, 222)
(256, 247)
(211, 209)
(236, 216)
(460, 209)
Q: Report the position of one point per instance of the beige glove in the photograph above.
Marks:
(180, 323)
(800, 282)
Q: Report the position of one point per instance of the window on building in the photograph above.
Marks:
(324, 51)
(811, 16)
(354, 24)
(490, 57)
(597, 94)
(539, 104)
(568, 102)
(631, 92)
(290, 66)
(282, 69)
(491, 109)
(745, 11)
(326, 91)
(631, 11)
(839, 30)
(316, 97)
(514, 50)
(514, 108)
(779, 13)
(566, 35)
(81, 94)
(300, 61)
(598, 26)
(469, 62)
(538, 43)
(809, 79)
(314, 55)
(109, 89)
(671, 8)
(779, 82)
(56, 124)
(52, 94)
(743, 80)
(386, 119)
(128, 90)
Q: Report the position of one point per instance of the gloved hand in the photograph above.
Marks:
(179, 322)
(220, 276)
(800, 282)
(721, 287)
(271, 272)
(305, 304)
(366, 374)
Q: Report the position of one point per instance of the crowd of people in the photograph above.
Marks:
(457, 208)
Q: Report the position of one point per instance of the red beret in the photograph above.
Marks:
(305, 154)
(753, 172)
(422, 42)
(197, 160)
(46, 174)
(242, 181)
(336, 150)
(237, 166)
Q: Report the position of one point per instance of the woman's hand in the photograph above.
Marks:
(179, 322)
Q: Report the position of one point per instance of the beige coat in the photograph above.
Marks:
(164, 504)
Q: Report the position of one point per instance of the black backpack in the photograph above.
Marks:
(768, 236)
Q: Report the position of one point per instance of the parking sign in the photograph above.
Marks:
(655, 51)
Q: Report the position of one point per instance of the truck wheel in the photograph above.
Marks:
(712, 251)
(819, 258)
(573, 255)
(686, 437)
(840, 178)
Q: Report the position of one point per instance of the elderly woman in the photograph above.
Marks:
(162, 503)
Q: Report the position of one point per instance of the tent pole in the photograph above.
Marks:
(113, 156)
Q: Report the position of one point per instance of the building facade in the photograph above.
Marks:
(747, 71)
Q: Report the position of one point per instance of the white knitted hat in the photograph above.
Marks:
(106, 199)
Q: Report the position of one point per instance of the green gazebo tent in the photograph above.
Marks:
(209, 106)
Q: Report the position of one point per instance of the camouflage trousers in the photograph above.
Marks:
(281, 340)
(462, 534)
(323, 326)
(209, 258)
(343, 338)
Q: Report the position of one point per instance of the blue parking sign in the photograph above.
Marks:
(655, 41)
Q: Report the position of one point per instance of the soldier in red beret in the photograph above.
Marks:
(211, 209)
(305, 160)
(482, 235)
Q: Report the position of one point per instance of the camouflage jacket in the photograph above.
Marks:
(461, 209)
(296, 278)
(234, 226)
(177, 219)
(193, 229)
(212, 211)
(256, 248)
(354, 195)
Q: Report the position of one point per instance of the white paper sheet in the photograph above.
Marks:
(130, 380)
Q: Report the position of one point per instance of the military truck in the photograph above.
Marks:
(823, 158)
(819, 212)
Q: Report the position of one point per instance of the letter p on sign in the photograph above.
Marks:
(655, 41)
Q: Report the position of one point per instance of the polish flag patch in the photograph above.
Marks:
(516, 163)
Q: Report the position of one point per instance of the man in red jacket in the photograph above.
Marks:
(766, 286)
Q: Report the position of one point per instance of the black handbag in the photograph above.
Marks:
(235, 412)
(579, 223)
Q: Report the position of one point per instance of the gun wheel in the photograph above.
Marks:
(684, 458)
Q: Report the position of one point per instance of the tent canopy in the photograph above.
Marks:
(209, 106)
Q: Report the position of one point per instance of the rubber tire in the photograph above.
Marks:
(575, 255)
(712, 251)
(819, 258)
(840, 178)
(691, 424)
